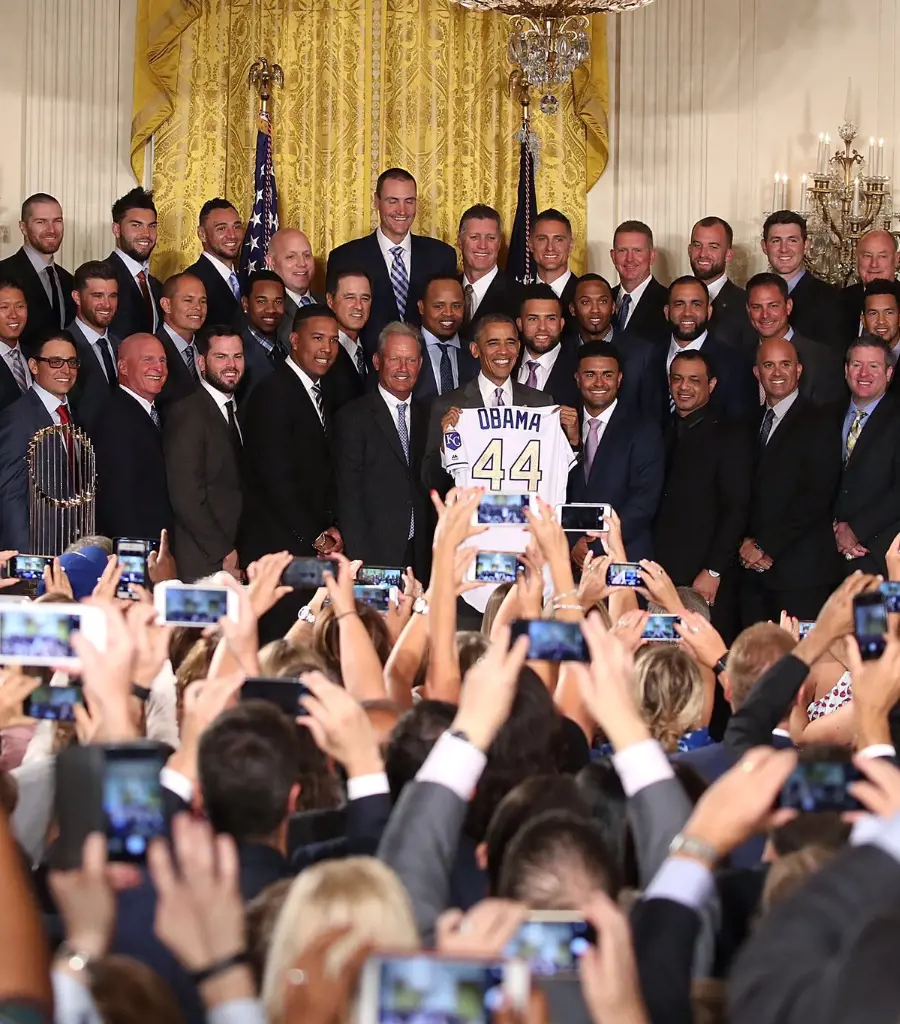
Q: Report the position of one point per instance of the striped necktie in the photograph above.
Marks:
(17, 365)
(403, 431)
(399, 279)
(854, 432)
(320, 403)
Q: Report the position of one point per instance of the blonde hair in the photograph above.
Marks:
(358, 891)
(669, 690)
(284, 658)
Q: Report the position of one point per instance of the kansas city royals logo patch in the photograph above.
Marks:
(452, 440)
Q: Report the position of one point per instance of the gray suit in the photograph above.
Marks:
(466, 397)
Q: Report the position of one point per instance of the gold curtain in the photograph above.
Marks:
(368, 84)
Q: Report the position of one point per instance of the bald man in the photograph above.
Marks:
(132, 496)
(789, 558)
(291, 257)
(877, 259)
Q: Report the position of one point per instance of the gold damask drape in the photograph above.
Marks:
(368, 84)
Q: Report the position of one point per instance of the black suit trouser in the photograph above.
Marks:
(760, 603)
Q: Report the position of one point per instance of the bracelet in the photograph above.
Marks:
(219, 967)
(696, 849)
(567, 608)
(343, 615)
(565, 593)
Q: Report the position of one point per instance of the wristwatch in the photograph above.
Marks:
(715, 575)
(694, 848)
(420, 606)
(73, 958)
(306, 615)
(720, 665)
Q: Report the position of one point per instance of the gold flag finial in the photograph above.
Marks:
(265, 75)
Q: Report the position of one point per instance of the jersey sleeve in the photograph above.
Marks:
(454, 453)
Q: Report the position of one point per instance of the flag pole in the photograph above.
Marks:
(263, 222)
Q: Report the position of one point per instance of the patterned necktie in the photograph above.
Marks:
(360, 360)
(320, 404)
(854, 432)
(446, 370)
(399, 279)
(404, 442)
(235, 285)
(591, 444)
(532, 368)
(498, 398)
(106, 358)
(54, 297)
(154, 415)
(305, 300)
(145, 292)
(766, 428)
(188, 356)
(622, 315)
(470, 303)
(17, 365)
(233, 429)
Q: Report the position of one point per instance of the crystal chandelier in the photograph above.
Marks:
(548, 40)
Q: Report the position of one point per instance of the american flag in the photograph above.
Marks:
(263, 222)
(519, 259)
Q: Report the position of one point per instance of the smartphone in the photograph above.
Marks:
(662, 628)
(551, 941)
(132, 556)
(42, 633)
(495, 567)
(582, 516)
(890, 589)
(27, 567)
(147, 544)
(820, 786)
(380, 576)
(379, 598)
(425, 987)
(624, 574)
(284, 693)
(181, 604)
(502, 509)
(870, 624)
(551, 641)
(307, 573)
(805, 626)
(54, 703)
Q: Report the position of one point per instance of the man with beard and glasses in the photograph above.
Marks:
(96, 296)
(221, 233)
(447, 363)
(134, 228)
(47, 286)
(710, 251)
(548, 360)
(687, 313)
(202, 444)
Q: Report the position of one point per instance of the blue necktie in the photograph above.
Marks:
(305, 300)
(399, 279)
(446, 370)
(622, 315)
(235, 285)
(404, 442)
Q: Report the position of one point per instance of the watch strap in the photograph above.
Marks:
(697, 849)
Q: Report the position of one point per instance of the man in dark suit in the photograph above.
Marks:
(44, 404)
(816, 306)
(710, 251)
(640, 298)
(548, 359)
(448, 362)
(290, 256)
(132, 495)
(487, 289)
(134, 228)
(769, 307)
(384, 512)
(881, 317)
(202, 446)
(867, 511)
(221, 234)
(398, 262)
(687, 312)
(263, 306)
(496, 346)
(591, 313)
(702, 517)
(349, 297)
(789, 556)
(46, 285)
(290, 501)
(551, 245)
(96, 295)
(877, 259)
(15, 377)
(185, 310)
(622, 457)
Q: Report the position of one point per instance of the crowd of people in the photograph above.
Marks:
(702, 774)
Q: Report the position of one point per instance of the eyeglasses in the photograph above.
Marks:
(57, 362)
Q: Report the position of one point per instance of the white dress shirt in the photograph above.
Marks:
(307, 382)
(392, 402)
(93, 337)
(479, 287)
(142, 402)
(675, 348)
(220, 398)
(8, 353)
(297, 298)
(558, 286)
(385, 244)
(781, 409)
(545, 362)
(224, 270)
(50, 402)
(487, 389)
(134, 268)
(350, 346)
(635, 297)
(181, 345)
(716, 286)
(603, 419)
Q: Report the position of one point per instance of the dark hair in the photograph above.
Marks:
(697, 355)
(11, 282)
(687, 279)
(434, 278)
(601, 788)
(93, 270)
(127, 991)
(137, 199)
(493, 318)
(716, 222)
(480, 211)
(784, 217)
(36, 347)
(637, 227)
(262, 275)
(867, 340)
(540, 292)
(327, 640)
(530, 798)
(392, 174)
(309, 312)
(38, 197)
(170, 284)
(336, 276)
(768, 278)
(214, 204)
(203, 338)
(599, 350)
(586, 278)
(247, 765)
(412, 739)
(552, 214)
(880, 287)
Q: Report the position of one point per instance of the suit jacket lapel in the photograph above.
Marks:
(777, 438)
(385, 422)
(418, 418)
(472, 395)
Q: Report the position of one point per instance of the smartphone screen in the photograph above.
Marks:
(496, 567)
(624, 574)
(890, 589)
(284, 693)
(36, 637)
(307, 573)
(28, 567)
(870, 624)
(145, 544)
(133, 560)
(195, 606)
(579, 518)
(805, 626)
(378, 598)
(379, 576)
(54, 703)
(661, 627)
(132, 804)
(503, 509)
(552, 641)
(820, 786)
(422, 988)
(551, 947)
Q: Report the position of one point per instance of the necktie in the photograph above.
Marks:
(766, 428)
(622, 315)
(470, 303)
(305, 300)
(145, 292)
(66, 420)
(235, 285)
(17, 365)
(498, 397)
(188, 356)
(446, 370)
(320, 405)
(532, 368)
(399, 279)
(591, 444)
(404, 442)
(360, 360)
(106, 358)
(854, 432)
(54, 297)
(154, 415)
(233, 429)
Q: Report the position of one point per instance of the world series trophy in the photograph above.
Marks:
(62, 488)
